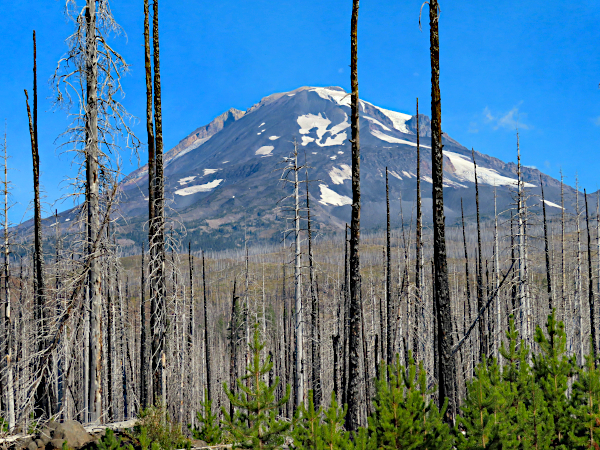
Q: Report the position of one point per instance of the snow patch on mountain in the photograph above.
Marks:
(207, 187)
(377, 122)
(339, 175)
(330, 197)
(464, 170)
(384, 137)
(265, 151)
(340, 97)
(186, 180)
(554, 205)
(209, 171)
(309, 121)
(274, 138)
(398, 119)
(337, 135)
(395, 175)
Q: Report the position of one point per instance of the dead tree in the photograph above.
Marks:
(315, 313)
(8, 328)
(143, 337)
(546, 250)
(482, 342)
(354, 403)
(593, 330)
(388, 277)
(206, 342)
(419, 231)
(441, 290)
(158, 316)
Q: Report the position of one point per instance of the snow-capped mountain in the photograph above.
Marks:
(224, 176)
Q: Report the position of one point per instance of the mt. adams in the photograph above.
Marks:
(224, 177)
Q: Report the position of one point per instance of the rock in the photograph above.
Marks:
(55, 444)
(52, 425)
(72, 432)
(45, 435)
(40, 443)
(198, 443)
(32, 446)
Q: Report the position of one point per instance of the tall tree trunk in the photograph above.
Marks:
(442, 293)
(562, 247)
(159, 315)
(110, 335)
(593, 330)
(315, 314)
(354, 402)
(93, 210)
(546, 250)
(482, 342)
(419, 235)
(143, 337)
(233, 330)
(42, 404)
(10, 397)
(299, 383)
(345, 321)
(578, 275)
(206, 341)
(497, 284)
(388, 277)
(467, 276)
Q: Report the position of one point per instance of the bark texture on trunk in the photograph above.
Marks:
(441, 290)
(354, 402)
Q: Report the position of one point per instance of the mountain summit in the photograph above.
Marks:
(223, 179)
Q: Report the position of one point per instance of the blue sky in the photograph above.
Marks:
(502, 63)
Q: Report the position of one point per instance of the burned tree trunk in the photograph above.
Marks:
(158, 315)
(316, 332)
(546, 250)
(206, 343)
(41, 400)
(143, 338)
(482, 343)
(388, 278)
(591, 285)
(354, 402)
(442, 293)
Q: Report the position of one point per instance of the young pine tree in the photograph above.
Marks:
(254, 423)
(307, 425)
(585, 407)
(403, 417)
(208, 429)
(552, 371)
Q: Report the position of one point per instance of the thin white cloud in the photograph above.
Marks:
(509, 120)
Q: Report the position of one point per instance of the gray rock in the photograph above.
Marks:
(55, 444)
(52, 425)
(40, 443)
(45, 435)
(32, 446)
(72, 432)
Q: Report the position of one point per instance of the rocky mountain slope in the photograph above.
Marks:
(223, 180)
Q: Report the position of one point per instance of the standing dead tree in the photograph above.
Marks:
(441, 289)
(354, 382)
(90, 73)
(291, 169)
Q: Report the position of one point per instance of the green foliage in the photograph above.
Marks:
(209, 429)
(162, 432)
(585, 407)
(307, 426)
(404, 415)
(108, 442)
(254, 423)
(332, 433)
(553, 371)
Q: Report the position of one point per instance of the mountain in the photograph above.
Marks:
(223, 180)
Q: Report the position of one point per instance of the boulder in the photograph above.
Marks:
(197, 443)
(40, 443)
(32, 446)
(55, 444)
(72, 432)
